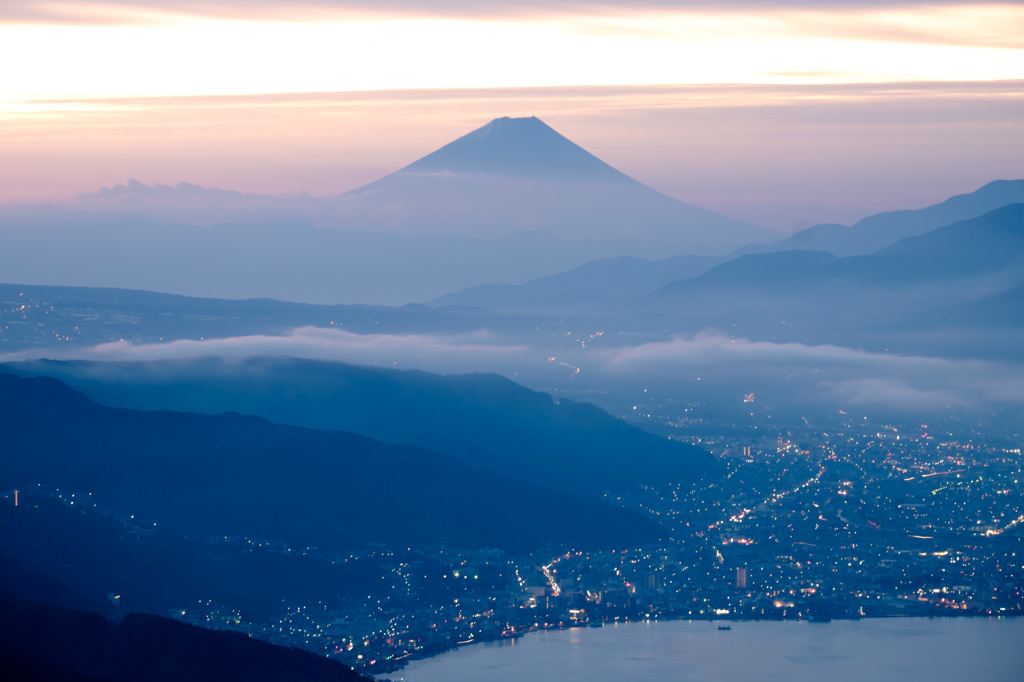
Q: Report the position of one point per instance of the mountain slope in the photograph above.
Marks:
(75, 555)
(32, 315)
(483, 419)
(981, 247)
(525, 147)
(924, 283)
(598, 286)
(594, 286)
(230, 475)
(508, 203)
(881, 230)
(519, 174)
(40, 643)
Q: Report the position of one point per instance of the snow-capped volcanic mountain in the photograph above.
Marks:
(519, 174)
(508, 203)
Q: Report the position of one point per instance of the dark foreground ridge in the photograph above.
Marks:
(40, 643)
(233, 475)
(483, 419)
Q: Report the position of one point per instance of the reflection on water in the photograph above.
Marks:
(875, 650)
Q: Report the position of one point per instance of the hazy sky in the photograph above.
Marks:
(781, 113)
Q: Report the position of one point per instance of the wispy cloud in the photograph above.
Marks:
(933, 22)
(247, 49)
(137, 11)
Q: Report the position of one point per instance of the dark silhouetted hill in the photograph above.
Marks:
(482, 419)
(40, 643)
(233, 475)
(75, 556)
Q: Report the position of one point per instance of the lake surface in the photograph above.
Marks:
(869, 650)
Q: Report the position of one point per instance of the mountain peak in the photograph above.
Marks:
(519, 147)
(510, 125)
(519, 174)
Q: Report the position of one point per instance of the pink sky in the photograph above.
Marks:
(783, 115)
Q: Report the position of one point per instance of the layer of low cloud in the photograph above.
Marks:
(843, 376)
(476, 351)
(708, 367)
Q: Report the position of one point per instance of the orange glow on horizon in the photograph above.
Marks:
(695, 103)
(168, 55)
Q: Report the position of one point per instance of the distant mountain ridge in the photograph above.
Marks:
(593, 287)
(599, 286)
(929, 282)
(878, 231)
(980, 246)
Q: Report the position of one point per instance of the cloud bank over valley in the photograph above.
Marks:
(709, 369)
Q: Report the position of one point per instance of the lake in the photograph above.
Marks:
(869, 650)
